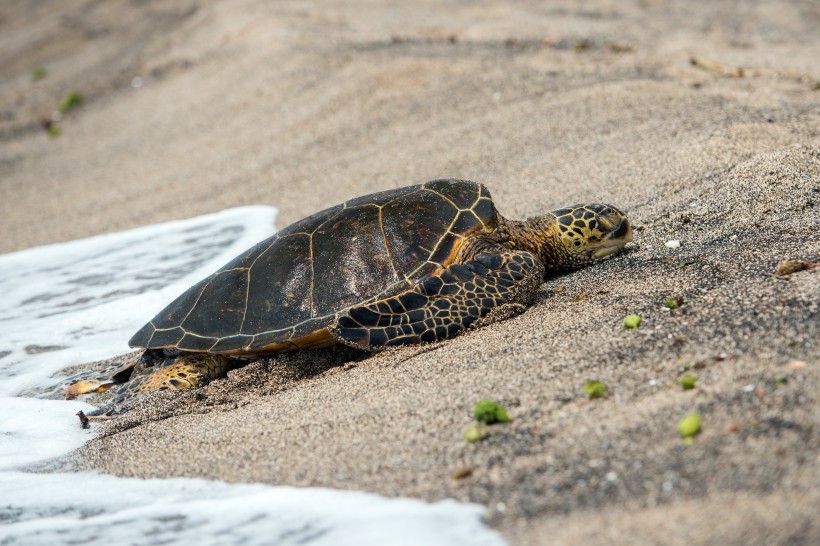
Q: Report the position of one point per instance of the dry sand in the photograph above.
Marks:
(700, 121)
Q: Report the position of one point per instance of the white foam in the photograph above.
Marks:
(35, 430)
(80, 301)
(103, 510)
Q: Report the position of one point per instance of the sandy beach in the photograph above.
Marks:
(700, 121)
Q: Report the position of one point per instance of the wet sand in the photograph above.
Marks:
(700, 122)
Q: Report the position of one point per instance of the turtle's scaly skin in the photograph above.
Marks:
(444, 305)
(411, 265)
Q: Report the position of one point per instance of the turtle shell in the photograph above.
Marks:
(284, 292)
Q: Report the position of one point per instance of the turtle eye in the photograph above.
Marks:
(604, 224)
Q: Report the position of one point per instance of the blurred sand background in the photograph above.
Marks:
(699, 119)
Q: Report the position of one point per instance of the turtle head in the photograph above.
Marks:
(583, 233)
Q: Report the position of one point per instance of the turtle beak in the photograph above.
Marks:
(622, 232)
(618, 237)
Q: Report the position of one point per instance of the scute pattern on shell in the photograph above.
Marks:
(296, 282)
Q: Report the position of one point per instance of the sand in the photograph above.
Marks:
(701, 122)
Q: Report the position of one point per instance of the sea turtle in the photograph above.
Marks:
(411, 265)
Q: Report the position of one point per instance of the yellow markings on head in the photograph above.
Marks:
(592, 230)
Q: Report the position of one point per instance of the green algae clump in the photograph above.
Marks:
(69, 102)
(490, 412)
(596, 389)
(631, 322)
(689, 426)
(475, 432)
(687, 382)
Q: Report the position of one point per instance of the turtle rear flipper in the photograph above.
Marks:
(118, 376)
(444, 305)
(153, 371)
(178, 372)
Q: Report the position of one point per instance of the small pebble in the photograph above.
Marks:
(674, 243)
(787, 267)
(462, 472)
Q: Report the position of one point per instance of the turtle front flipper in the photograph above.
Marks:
(156, 372)
(444, 305)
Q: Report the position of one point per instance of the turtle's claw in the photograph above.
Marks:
(95, 415)
(98, 414)
(83, 419)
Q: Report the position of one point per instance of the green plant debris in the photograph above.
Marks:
(69, 102)
(685, 219)
(687, 382)
(38, 73)
(780, 379)
(54, 130)
(475, 432)
(489, 412)
(623, 47)
(674, 301)
(671, 303)
(689, 426)
(596, 389)
(631, 322)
